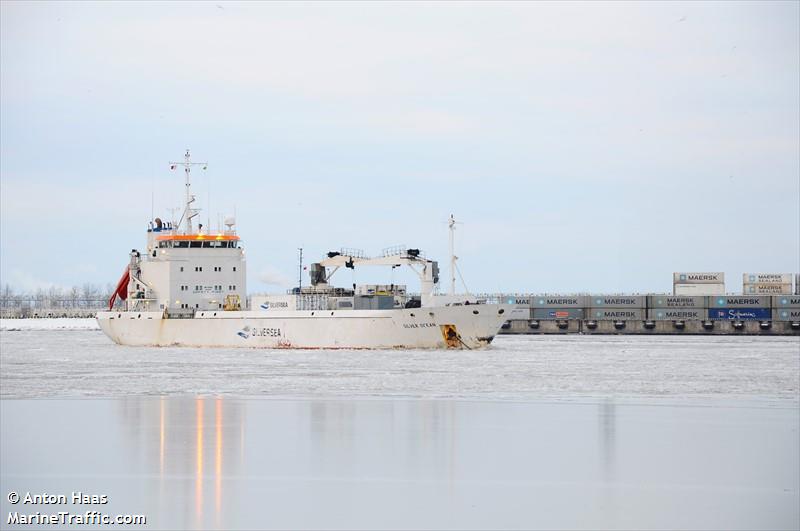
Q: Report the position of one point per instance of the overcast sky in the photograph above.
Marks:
(585, 146)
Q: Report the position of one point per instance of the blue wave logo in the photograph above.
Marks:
(265, 306)
(244, 333)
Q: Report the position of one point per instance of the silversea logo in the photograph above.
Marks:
(258, 331)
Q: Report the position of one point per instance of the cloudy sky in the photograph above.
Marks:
(585, 146)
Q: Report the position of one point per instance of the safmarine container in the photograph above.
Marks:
(786, 314)
(698, 278)
(616, 314)
(675, 314)
(698, 289)
(767, 289)
(739, 301)
(787, 301)
(559, 301)
(673, 301)
(545, 314)
(760, 314)
(617, 301)
(767, 278)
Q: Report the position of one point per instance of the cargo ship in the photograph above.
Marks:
(188, 288)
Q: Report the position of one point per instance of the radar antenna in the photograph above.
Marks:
(188, 212)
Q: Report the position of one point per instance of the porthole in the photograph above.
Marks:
(475, 312)
(501, 311)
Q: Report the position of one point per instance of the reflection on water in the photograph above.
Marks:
(217, 463)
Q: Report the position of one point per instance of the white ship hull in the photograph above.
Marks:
(472, 326)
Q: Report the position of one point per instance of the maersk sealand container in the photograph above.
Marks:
(676, 301)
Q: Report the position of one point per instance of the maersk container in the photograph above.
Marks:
(767, 278)
(673, 301)
(616, 314)
(759, 314)
(519, 300)
(740, 301)
(617, 301)
(786, 301)
(767, 289)
(698, 278)
(786, 314)
(545, 314)
(698, 289)
(676, 314)
(559, 301)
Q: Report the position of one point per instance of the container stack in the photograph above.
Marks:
(698, 284)
(617, 307)
(786, 308)
(676, 308)
(767, 284)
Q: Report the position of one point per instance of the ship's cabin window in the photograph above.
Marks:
(181, 244)
(165, 245)
(181, 269)
(234, 268)
(195, 244)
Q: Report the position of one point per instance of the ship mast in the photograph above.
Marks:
(452, 226)
(188, 212)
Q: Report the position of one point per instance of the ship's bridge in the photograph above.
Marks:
(197, 241)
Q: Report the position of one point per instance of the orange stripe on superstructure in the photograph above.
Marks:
(197, 237)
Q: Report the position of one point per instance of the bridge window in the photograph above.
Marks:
(195, 244)
(181, 245)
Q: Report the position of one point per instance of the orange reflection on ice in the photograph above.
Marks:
(218, 457)
(199, 472)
